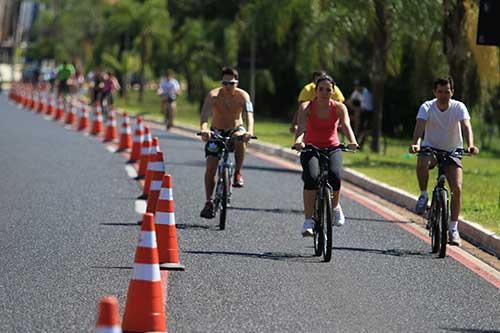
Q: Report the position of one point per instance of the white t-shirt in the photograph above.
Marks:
(442, 128)
(169, 87)
(365, 97)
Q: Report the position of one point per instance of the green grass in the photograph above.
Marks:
(481, 199)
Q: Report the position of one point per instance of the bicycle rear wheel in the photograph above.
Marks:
(318, 226)
(443, 203)
(223, 199)
(327, 225)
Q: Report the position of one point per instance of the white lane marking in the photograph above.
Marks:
(111, 149)
(131, 172)
(140, 206)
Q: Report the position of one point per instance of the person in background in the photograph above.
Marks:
(308, 93)
(65, 73)
(361, 101)
(168, 91)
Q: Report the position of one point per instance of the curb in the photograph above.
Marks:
(470, 231)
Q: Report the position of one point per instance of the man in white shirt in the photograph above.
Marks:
(168, 91)
(442, 120)
(361, 101)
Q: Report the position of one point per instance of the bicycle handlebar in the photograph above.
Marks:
(428, 151)
(224, 138)
(341, 147)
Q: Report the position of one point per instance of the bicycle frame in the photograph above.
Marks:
(225, 161)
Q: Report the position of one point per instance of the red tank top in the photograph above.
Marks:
(322, 133)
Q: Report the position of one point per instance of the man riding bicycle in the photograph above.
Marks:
(317, 125)
(442, 120)
(169, 89)
(64, 76)
(227, 105)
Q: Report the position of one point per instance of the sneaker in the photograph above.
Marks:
(208, 211)
(339, 216)
(308, 228)
(421, 205)
(454, 238)
(238, 180)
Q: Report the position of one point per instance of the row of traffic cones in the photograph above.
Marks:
(157, 248)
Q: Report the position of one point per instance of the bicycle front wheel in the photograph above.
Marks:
(435, 222)
(443, 203)
(327, 225)
(318, 226)
(223, 199)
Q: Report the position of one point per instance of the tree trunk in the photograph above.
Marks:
(454, 44)
(143, 64)
(378, 73)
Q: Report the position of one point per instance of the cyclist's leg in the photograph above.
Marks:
(335, 167)
(172, 113)
(210, 173)
(310, 176)
(424, 164)
(454, 175)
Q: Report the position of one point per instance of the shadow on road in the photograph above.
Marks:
(389, 252)
(263, 168)
(120, 224)
(376, 220)
(268, 210)
(111, 267)
(469, 330)
(196, 226)
(279, 256)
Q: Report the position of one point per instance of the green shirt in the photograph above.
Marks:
(64, 72)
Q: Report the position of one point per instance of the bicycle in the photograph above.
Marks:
(168, 113)
(225, 171)
(323, 210)
(439, 211)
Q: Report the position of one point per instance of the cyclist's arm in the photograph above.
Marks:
(248, 110)
(205, 113)
(469, 137)
(346, 123)
(418, 133)
(302, 116)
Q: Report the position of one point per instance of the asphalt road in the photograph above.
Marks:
(68, 237)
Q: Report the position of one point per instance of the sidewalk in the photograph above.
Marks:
(470, 231)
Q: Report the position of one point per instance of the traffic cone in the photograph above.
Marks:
(83, 122)
(145, 153)
(166, 234)
(135, 155)
(111, 131)
(59, 110)
(71, 116)
(36, 101)
(51, 109)
(154, 150)
(156, 170)
(108, 318)
(145, 309)
(125, 134)
(97, 122)
(41, 103)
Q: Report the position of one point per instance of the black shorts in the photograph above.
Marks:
(214, 147)
(450, 160)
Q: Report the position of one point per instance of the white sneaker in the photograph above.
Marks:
(339, 216)
(308, 228)
(454, 238)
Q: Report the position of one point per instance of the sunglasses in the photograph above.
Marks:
(231, 82)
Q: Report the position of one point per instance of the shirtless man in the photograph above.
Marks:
(227, 105)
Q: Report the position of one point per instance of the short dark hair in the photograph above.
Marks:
(318, 73)
(230, 71)
(325, 78)
(442, 81)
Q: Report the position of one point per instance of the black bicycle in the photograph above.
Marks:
(225, 171)
(439, 211)
(323, 210)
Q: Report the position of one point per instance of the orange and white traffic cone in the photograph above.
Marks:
(111, 131)
(41, 102)
(59, 110)
(125, 134)
(145, 153)
(97, 122)
(135, 155)
(145, 309)
(71, 116)
(165, 228)
(153, 150)
(83, 122)
(156, 170)
(108, 316)
(51, 109)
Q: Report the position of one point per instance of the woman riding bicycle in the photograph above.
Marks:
(317, 126)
